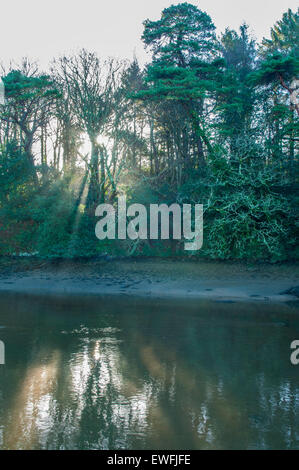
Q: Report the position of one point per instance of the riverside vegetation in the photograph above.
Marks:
(210, 120)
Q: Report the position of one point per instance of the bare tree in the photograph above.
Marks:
(90, 85)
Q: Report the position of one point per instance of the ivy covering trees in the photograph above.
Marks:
(211, 119)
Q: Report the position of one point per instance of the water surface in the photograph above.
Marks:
(104, 373)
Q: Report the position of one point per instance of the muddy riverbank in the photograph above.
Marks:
(218, 281)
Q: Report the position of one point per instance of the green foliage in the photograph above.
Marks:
(247, 219)
(24, 88)
(207, 121)
(16, 193)
(245, 214)
(51, 212)
(183, 33)
(235, 98)
(14, 173)
(284, 35)
(275, 68)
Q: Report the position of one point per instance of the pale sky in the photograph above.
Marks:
(41, 29)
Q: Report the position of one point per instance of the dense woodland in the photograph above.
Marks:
(211, 119)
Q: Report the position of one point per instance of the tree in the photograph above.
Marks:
(30, 98)
(91, 86)
(209, 121)
(235, 96)
(279, 69)
(183, 33)
(281, 52)
(284, 35)
(184, 64)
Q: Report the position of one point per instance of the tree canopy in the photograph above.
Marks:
(210, 119)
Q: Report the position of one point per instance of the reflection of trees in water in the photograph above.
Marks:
(156, 380)
(32, 403)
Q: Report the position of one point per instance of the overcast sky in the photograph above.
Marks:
(44, 29)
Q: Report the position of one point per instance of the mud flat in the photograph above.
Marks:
(218, 281)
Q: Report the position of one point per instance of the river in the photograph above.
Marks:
(91, 372)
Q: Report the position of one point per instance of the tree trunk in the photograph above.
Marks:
(93, 195)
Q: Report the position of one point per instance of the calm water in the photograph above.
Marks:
(92, 373)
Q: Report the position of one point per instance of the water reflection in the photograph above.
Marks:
(89, 373)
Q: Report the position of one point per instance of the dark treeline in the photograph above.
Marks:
(209, 120)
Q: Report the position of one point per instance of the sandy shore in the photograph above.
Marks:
(222, 282)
